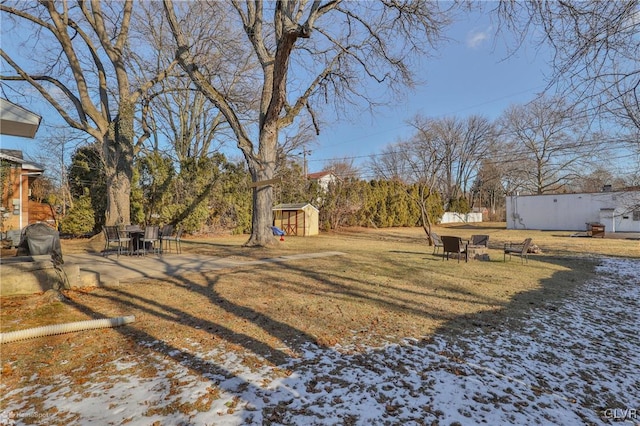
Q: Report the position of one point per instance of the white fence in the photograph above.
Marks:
(453, 217)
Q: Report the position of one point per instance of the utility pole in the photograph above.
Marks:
(63, 180)
(305, 170)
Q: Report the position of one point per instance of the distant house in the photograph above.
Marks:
(619, 211)
(17, 177)
(324, 179)
(296, 219)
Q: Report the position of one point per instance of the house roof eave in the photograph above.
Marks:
(18, 121)
(25, 165)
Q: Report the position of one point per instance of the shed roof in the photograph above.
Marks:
(293, 206)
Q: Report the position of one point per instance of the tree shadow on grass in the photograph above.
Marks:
(553, 289)
(166, 312)
(546, 335)
(132, 299)
(203, 288)
(135, 299)
(183, 322)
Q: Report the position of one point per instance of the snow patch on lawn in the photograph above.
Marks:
(570, 361)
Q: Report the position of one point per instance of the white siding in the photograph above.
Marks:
(573, 211)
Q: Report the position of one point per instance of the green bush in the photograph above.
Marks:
(461, 205)
(81, 219)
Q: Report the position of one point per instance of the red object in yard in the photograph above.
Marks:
(595, 229)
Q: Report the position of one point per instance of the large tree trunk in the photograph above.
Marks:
(262, 215)
(263, 170)
(263, 166)
(118, 198)
(118, 157)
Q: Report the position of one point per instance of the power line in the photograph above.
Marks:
(587, 114)
(446, 114)
(370, 174)
(509, 155)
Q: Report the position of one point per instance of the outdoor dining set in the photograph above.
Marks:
(140, 240)
(476, 247)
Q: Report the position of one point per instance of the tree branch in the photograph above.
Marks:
(83, 124)
(185, 59)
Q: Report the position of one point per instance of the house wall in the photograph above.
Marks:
(16, 188)
(325, 181)
(42, 212)
(572, 212)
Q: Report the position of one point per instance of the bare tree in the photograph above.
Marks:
(549, 144)
(79, 65)
(488, 188)
(596, 45)
(464, 144)
(309, 51)
(54, 153)
(177, 109)
(343, 168)
(417, 161)
(598, 180)
(184, 116)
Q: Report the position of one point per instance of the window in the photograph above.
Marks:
(636, 215)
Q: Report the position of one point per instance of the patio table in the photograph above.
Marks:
(135, 233)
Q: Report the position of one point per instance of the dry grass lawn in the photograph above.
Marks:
(387, 286)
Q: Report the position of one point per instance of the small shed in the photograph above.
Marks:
(296, 219)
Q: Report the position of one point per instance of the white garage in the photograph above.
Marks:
(618, 211)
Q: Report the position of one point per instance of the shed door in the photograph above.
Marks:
(290, 222)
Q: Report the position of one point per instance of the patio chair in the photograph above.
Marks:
(480, 240)
(175, 238)
(165, 232)
(518, 249)
(454, 245)
(111, 237)
(437, 242)
(126, 241)
(150, 238)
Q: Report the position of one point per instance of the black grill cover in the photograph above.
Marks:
(39, 238)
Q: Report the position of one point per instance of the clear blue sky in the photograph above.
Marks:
(471, 74)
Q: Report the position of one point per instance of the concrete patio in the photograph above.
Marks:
(37, 274)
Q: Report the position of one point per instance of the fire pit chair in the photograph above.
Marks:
(480, 240)
(437, 242)
(518, 249)
(454, 245)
